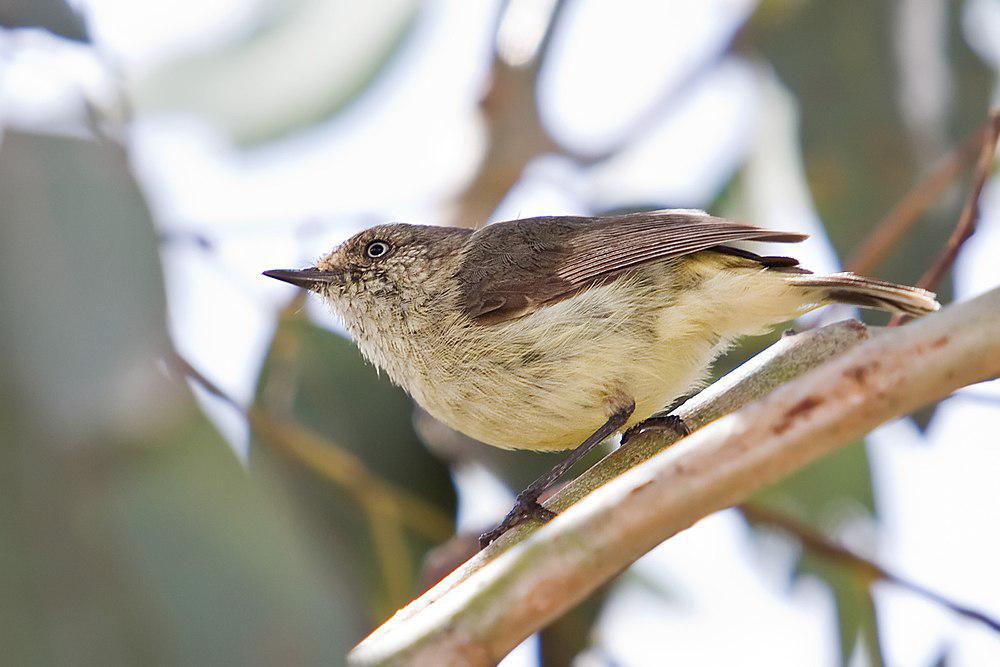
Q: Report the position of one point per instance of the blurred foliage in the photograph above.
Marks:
(826, 492)
(129, 532)
(838, 59)
(334, 47)
(859, 159)
(53, 15)
(320, 380)
(572, 633)
(834, 489)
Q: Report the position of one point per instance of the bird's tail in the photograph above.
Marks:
(855, 290)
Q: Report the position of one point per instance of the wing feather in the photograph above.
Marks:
(618, 244)
(513, 268)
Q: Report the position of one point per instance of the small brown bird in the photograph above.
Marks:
(557, 332)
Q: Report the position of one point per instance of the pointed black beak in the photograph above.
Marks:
(305, 278)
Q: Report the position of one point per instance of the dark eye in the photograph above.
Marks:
(376, 249)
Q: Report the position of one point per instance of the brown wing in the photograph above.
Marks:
(512, 268)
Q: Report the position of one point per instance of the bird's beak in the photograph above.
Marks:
(309, 278)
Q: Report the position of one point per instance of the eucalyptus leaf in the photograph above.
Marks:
(320, 380)
(129, 531)
(299, 67)
(55, 16)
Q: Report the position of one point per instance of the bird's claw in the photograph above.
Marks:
(525, 508)
(671, 423)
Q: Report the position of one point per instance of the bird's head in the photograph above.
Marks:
(383, 273)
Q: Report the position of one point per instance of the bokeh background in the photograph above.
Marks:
(157, 156)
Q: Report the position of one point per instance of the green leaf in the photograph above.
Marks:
(835, 487)
(299, 67)
(53, 15)
(82, 275)
(823, 495)
(857, 623)
(129, 532)
(572, 633)
(320, 380)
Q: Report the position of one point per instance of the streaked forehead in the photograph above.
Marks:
(402, 235)
(396, 232)
(408, 240)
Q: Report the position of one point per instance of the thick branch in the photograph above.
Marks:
(488, 612)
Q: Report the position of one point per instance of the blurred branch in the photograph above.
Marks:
(349, 472)
(515, 132)
(483, 610)
(906, 213)
(334, 463)
(524, 31)
(660, 107)
(869, 571)
(391, 550)
(969, 218)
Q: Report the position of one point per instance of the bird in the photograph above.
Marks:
(556, 332)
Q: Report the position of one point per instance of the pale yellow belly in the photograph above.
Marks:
(549, 380)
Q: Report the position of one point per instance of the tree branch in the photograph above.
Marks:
(906, 213)
(480, 612)
(969, 218)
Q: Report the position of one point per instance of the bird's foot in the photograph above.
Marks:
(525, 508)
(671, 423)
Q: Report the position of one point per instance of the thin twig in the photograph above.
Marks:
(349, 472)
(907, 211)
(869, 571)
(516, 134)
(969, 218)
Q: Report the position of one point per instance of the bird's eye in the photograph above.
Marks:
(376, 249)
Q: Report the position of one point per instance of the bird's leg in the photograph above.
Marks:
(527, 505)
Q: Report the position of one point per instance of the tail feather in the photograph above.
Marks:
(855, 290)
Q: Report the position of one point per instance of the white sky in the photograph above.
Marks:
(411, 140)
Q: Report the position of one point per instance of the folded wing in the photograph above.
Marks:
(513, 268)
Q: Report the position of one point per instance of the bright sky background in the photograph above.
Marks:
(411, 140)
